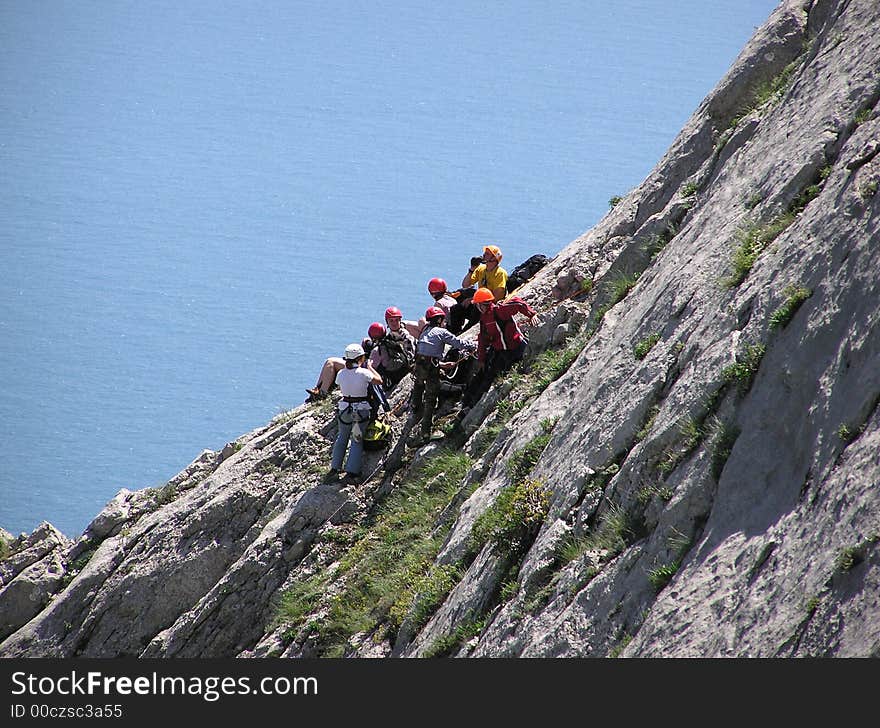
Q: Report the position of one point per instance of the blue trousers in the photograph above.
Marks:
(353, 464)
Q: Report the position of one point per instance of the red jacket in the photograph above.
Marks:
(498, 328)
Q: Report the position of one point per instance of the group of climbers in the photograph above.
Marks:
(391, 349)
(399, 347)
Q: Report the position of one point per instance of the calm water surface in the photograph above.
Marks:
(201, 200)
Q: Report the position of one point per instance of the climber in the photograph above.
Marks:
(484, 272)
(501, 342)
(393, 352)
(354, 381)
(438, 291)
(329, 370)
(488, 273)
(429, 352)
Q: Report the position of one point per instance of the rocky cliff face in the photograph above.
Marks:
(689, 467)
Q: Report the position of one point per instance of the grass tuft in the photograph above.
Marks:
(640, 350)
(754, 240)
(445, 646)
(621, 286)
(794, 297)
(742, 372)
(523, 460)
(662, 575)
(723, 438)
(864, 115)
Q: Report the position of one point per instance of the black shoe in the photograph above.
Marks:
(352, 478)
(331, 475)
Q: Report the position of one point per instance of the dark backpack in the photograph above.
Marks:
(400, 352)
(525, 271)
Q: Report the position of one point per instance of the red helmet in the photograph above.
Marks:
(376, 330)
(433, 312)
(436, 285)
(393, 312)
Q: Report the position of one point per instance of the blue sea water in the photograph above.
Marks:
(201, 200)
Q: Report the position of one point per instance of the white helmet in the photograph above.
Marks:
(353, 352)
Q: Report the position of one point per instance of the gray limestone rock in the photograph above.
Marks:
(712, 454)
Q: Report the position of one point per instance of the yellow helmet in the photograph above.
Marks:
(494, 251)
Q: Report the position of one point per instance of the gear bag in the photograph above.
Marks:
(377, 436)
(399, 351)
(524, 271)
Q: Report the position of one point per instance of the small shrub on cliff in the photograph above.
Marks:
(812, 604)
(662, 575)
(851, 556)
(810, 193)
(648, 424)
(847, 433)
(165, 494)
(572, 547)
(513, 520)
(4, 548)
(847, 558)
(663, 492)
(620, 646)
(551, 364)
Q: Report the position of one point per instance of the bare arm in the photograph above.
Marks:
(377, 378)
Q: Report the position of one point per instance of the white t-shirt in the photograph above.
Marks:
(353, 382)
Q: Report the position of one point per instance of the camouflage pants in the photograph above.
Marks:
(426, 390)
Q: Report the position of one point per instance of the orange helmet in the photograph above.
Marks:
(483, 295)
(494, 251)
